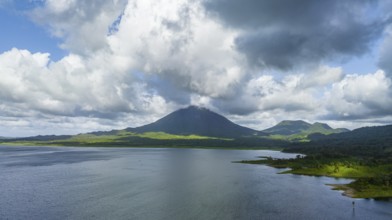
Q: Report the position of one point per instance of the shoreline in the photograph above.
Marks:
(147, 147)
(347, 191)
(354, 189)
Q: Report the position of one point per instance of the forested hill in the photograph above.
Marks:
(289, 127)
(366, 142)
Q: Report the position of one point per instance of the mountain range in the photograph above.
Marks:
(195, 120)
(197, 126)
(299, 130)
(201, 121)
(301, 127)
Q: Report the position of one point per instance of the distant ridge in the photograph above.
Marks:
(364, 134)
(200, 127)
(297, 127)
(366, 141)
(195, 120)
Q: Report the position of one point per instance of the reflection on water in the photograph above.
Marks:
(114, 183)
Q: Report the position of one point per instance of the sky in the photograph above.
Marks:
(69, 67)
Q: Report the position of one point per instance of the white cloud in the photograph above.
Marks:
(33, 87)
(322, 76)
(60, 6)
(82, 24)
(131, 62)
(295, 92)
(178, 42)
(343, 100)
(361, 96)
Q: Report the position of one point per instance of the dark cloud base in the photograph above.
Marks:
(284, 34)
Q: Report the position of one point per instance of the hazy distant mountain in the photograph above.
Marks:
(196, 126)
(197, 121)
(301, 127)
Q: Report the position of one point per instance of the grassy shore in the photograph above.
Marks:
(371, 180)
(109, 145)
(148, 139)
(371, 191)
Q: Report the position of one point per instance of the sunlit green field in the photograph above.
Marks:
(125, 138)
(91, 138)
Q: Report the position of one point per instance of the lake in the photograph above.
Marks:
(144, 183)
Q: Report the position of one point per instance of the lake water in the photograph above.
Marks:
(139, 183)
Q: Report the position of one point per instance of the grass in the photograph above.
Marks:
(90, 138)
(116, 138)
(150, 135)
(340, 170)
(371, 180)
(166, 136)
(125, 138)
(371, 191)
(302, 137)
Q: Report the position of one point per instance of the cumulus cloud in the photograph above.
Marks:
(180, 45)
(174, 40)
(297, 92)
(285, 34)
(131, 62)
(83, 25)
(32, 86)
(350, 100)
(322, 76)
(361, 96)
(139, 58)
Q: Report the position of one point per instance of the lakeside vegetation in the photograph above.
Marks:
(125, 138)
(364, 155)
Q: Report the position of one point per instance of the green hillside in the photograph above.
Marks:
(300, 130)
